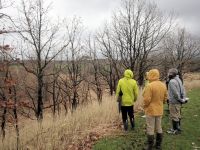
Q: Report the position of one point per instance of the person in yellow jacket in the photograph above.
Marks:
(127, 88)
(155, 94)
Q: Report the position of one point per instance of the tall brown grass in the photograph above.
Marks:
(191, 81)
(60, 132)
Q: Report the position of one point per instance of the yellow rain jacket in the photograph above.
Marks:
(155, 94)
(129, 88)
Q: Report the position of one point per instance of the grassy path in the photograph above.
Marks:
(188, 140)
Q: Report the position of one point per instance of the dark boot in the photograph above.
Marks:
(159, 137)
(179, 125)
(132, 123)
(150, 142)
(125, 123)
(176, 128)
(174, 125)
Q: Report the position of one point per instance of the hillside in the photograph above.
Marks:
(101, 124)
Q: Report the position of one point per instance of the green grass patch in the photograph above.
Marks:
(189, 139)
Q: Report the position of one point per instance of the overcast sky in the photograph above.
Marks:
(188, 12)
(94, 12)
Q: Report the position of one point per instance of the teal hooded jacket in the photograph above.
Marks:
(128, 87)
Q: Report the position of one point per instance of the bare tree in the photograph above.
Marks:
(8, 90)
(64, 85)
(74, 55)
(180, 49)
(9, 99)
(136, 30)
(110, 66)
(42, 47)
(4, 16)
(96, 80)
(52, 87)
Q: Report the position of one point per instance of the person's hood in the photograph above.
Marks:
(173, 72)
(153, 75)
(128, 74)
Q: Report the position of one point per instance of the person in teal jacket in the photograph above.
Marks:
(127, 88)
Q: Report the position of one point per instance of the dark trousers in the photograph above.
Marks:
(127, 110)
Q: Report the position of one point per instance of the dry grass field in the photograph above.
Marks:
(192, 80)
(80, 129)
(66, 131)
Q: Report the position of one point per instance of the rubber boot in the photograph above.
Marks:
(174, 128)
(179, 125)
(125, 123)
(159, 137)
(174, 125)
(178, 129)
(132, 123)
(150, 142)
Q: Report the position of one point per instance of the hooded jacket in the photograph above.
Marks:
(128, 87)
(175, 89)
(155, 94)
